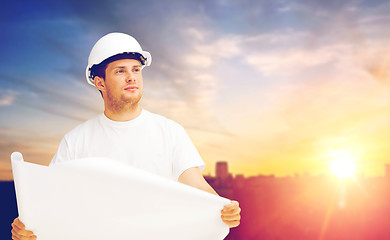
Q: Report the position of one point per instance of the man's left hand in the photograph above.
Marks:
(230, 214)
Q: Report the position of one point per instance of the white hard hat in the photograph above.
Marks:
(111, 45)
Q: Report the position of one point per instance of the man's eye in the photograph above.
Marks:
(120, 71)
(137, 70)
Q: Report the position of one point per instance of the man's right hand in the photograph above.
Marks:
(19, 231)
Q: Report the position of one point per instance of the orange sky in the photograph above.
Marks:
(271, 93)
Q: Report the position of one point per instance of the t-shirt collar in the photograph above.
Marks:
(130, 123)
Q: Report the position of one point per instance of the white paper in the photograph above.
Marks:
(97, 198)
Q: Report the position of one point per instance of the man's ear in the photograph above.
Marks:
(99, 83)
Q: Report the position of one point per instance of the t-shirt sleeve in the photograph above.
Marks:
(62, 154)
(185, 155)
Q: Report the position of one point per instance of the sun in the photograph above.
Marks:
(342, 164)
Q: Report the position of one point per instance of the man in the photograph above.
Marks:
(125, 132)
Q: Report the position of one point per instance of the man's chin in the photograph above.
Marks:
(131, 100)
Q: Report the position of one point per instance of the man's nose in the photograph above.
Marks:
(130, 77)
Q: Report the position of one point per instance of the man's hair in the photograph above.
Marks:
(99, 70)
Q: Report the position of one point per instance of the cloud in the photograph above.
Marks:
(7, 97)
(316, 92)
(285, 54)
(298, 66)
(36, 146)
(223, 47)
(374, 62)
(199, 60)
(47, 97)
(285, 9)
(289, 62)
(187, 83)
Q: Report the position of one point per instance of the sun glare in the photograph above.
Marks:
(342, 164)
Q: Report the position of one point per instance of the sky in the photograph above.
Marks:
(271, 87)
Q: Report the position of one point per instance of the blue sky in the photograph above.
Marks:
(270, 86)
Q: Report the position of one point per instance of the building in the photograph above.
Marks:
(221, 171)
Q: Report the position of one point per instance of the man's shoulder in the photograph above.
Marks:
(84, 127)
(161, 120)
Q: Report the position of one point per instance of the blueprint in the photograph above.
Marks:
(96, 198)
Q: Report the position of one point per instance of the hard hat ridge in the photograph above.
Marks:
(114, 44)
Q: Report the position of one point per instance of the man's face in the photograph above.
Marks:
(123, 82)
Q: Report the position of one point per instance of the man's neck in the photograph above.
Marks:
(124, 115)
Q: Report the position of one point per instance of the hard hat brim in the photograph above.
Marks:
(91, 81)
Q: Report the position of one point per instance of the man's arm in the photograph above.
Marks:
(230, 214)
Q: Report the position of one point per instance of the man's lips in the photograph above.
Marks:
(131, 88)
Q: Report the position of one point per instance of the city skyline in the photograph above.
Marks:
(223, 172)
(307, 207)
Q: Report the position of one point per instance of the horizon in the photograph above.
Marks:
(355, 176)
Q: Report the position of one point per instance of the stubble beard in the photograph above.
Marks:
(123, 103)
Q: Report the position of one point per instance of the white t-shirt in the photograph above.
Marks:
(150, 142)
